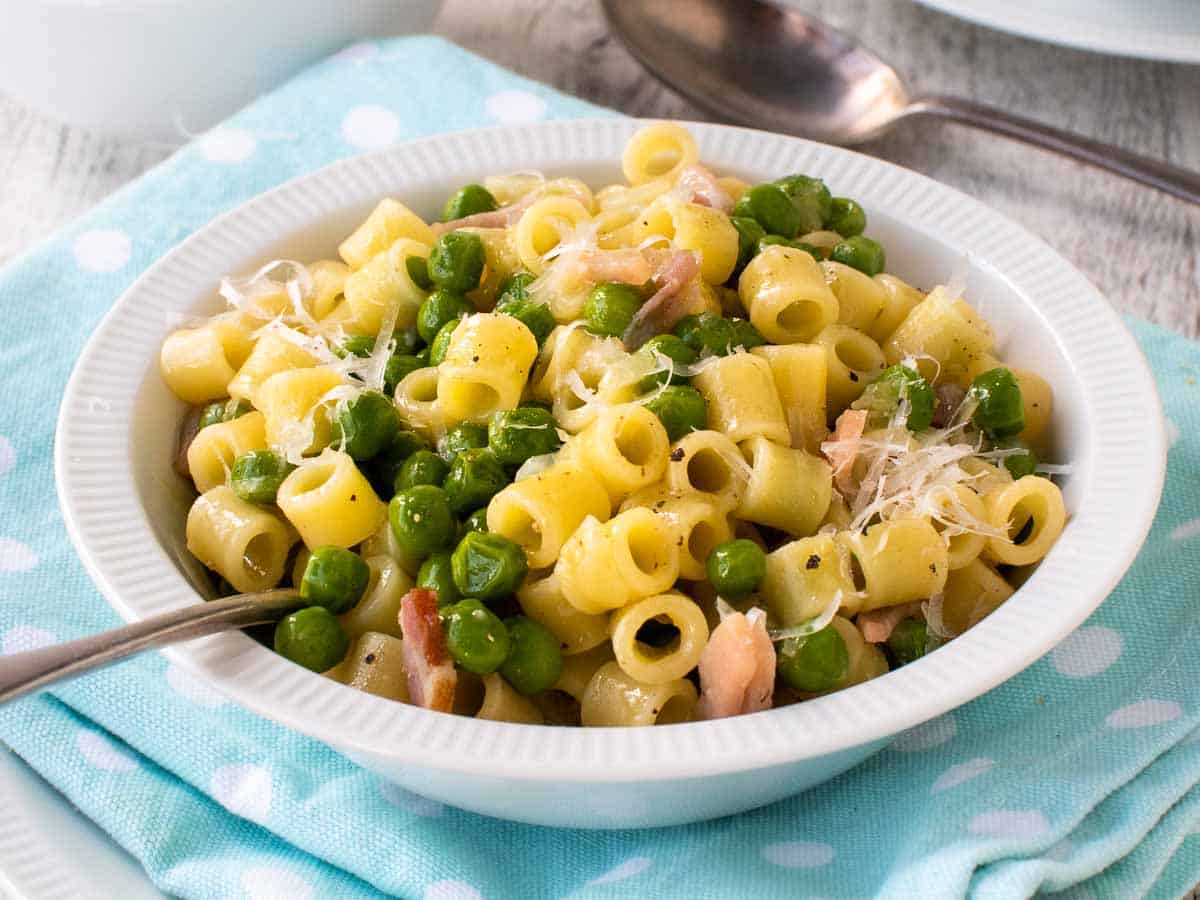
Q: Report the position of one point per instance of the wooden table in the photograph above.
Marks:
(1140, 247)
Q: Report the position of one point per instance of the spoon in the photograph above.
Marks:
(22, 673)
(761, 65)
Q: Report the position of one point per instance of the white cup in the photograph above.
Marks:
(164, 69)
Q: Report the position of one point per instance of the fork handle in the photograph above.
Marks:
(1178, 182)
(21, 673)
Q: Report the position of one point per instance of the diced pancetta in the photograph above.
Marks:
(665, 308)
(737, 668)
(878, 624)
(842, 448)
(431, 675)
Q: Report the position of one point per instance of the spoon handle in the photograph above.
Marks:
(1173, 180)
(21, 673)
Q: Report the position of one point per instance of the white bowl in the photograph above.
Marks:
(125, 507)
(158, 69)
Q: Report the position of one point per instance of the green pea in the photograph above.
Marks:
(335, 579)
(882, 397)
(745, 335)
(1019, 464)
(470, 199)
(418, 270)
(514, 435)
(773, 239)
(313, 638)
(407, 340)
(464, 436)
(257, 475)
(610, 308)
(860, 253)
(365, 425)
(673, 348)
(533, 315)
(488, 566)
(422, 467)
(708, 334)
(735, 568)
(515, 287)
(534, 657)
(818, 662)
(999, 410)
(440, 307)
(811, 199)
(681, 409)
(476, 521)
(421, 520)
(359, 345)
(907, 641)
(399, 367)
(749, 233)
(847, 218)
(771, 207)
(223, 411)
(456, 261)
(383, 470)
(436, 574)
(476, 638)
(441, 342)
(475, 477)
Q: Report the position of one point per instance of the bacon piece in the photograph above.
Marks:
(700, 186)
(496, 218)
(842, 448)
(628, 266)
(878, 624)
(431, 675)
(949, 398)
(188, 429)
(660, 313)
(737, 667)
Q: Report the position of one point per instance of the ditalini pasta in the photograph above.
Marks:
(668, 449)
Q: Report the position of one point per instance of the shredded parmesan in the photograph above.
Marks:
(813, 625)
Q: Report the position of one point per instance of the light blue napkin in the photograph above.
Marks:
(1080, 774)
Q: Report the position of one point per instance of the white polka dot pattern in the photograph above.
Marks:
(243, 789)
(961, 773)
(15, 556)
(228, 145)
(102, 250)
(450, 890)
(1143, 714)
(1088, 651)
(370, 127)
(102, 753)
(271, 883)
(1009, 823)
(931, 734)
(635, 865)
(514, 107)
(798, 854)
(8, 455)
(20, 638)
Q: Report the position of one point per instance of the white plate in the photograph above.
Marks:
(1167, 30)
(51, 851)
(125, 508)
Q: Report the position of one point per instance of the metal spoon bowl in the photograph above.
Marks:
(756, 64)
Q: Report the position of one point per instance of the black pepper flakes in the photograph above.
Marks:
(369, 658)
(933, 568)
(353, 498)
(813, 562)
(677, 454)
(853, 376)
(474, 359)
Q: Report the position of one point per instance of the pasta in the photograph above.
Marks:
(629, 455)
